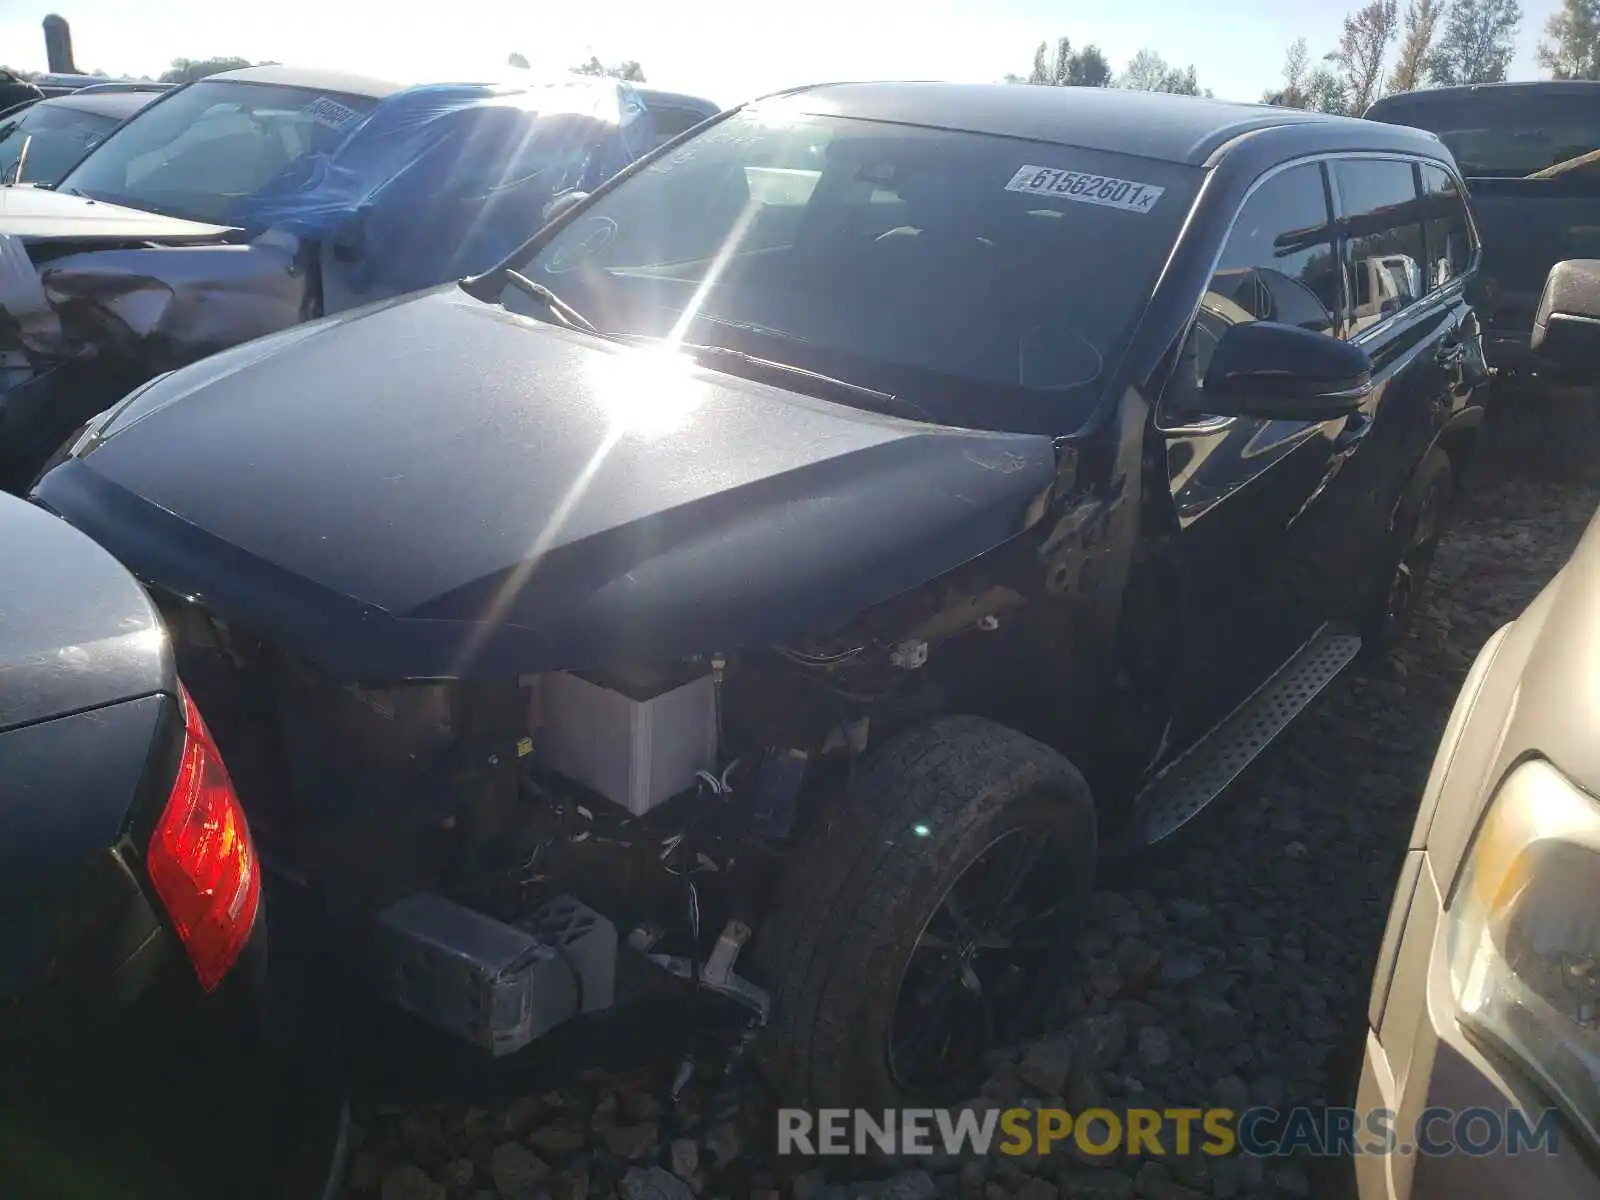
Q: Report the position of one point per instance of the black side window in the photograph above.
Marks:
(1382, 220)
(1449, 235)
(1278, 265)
(668, 122)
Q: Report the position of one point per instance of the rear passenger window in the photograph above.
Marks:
(1278, 265)
(1382, 219)
(1449, 234)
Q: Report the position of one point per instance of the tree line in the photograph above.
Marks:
(1062, 66)
(183, 70)
(629, 69)
(187, 70)
(1436, 43)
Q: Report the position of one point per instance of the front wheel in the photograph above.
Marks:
(924, 916)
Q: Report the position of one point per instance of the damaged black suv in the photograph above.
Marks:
(830, 536)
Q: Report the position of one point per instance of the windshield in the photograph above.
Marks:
(41, 144)
(1511, 136)
(990, 281)
(196, 153)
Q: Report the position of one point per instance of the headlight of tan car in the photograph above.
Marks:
(1524, 936)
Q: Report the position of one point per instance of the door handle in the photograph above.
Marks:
(1451, 354)
(1356, 426)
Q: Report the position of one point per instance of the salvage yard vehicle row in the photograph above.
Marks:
(771, 553)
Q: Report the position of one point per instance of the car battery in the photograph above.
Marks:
(494, 985)
(636, 741)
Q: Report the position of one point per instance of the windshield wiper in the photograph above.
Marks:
(812, 381)
(558, 307)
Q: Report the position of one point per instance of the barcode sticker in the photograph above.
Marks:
(1105, 190)
(330, 113)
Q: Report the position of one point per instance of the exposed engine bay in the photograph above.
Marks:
(528, 850)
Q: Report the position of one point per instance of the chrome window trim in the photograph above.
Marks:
(1212, 424)
(1475, 253)
(1409, 312)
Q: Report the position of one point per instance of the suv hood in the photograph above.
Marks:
(76, 630)
(41, 214)
(434, 487)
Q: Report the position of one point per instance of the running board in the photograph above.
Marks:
(1197, 777)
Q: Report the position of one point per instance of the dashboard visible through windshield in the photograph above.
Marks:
(951, 269)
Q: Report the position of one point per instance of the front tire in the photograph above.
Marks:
(883, 917)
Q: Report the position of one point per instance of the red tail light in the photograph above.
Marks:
(201, 860)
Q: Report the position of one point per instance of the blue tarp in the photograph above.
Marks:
(444, 180)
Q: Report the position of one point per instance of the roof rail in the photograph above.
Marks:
(131, 86)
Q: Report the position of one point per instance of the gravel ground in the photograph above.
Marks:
(1228, 968)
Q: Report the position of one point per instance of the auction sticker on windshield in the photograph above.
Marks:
(329, 112)
(1106, 190)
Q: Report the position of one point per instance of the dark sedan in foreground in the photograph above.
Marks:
(138, 1055)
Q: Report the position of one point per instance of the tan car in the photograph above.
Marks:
(1485, 1008)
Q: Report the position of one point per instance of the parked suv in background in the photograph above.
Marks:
(1530, 153)
(961, 479)
(15, 90)
(1487, 991)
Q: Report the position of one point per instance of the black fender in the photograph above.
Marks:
(1457, 437)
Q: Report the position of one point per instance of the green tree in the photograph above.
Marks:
(1326, 92)
(1144, 72)
(629, 70)
(186, 70)
(1149, 72)
(1090, 68)
(1477, 42)
(1068, 68)
(1422, 18)
(520, 62)
(1296, 62)
(1318, 90)
(1573, 48)
(1358, 62)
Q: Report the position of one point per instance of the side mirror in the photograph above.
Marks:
(1566, 332)
(562, 204)
(1285, 373)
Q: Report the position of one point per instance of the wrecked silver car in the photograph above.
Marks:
(132, 263)
(167, 244)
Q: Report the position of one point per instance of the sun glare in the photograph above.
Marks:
(649, 391)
